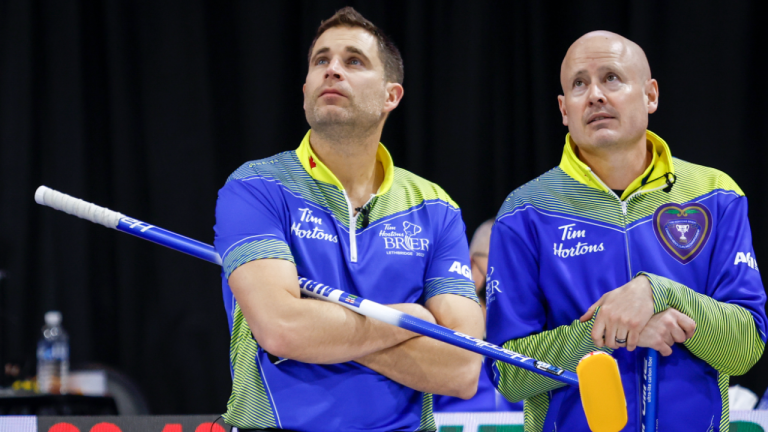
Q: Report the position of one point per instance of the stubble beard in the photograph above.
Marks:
(348, 125)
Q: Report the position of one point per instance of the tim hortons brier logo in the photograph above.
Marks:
(403, 243)
(491, 287)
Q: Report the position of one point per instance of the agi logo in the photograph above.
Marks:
(406, 242)
(747, 259)
(463, 270)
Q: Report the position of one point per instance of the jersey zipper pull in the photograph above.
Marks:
(365, 211)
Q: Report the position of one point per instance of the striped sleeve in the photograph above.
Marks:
(726, 336)
(255, 250)
(251, 224)
(449, 270)
(563, 346)
(460, 287)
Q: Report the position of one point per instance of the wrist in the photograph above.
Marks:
(645, 283)
(658, 291)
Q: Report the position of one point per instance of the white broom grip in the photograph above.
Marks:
(77, 207)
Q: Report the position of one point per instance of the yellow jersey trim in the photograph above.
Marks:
(660, 165)
(319, 171)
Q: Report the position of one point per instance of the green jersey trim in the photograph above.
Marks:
(726, 336)
(557, 192)
(407, 191)
(459, 287)
(255, 410)
(255, 250)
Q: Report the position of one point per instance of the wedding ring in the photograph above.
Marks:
(621, 341)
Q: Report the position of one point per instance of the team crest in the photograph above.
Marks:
(682, 230)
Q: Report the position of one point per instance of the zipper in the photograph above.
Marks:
(624, 205)
(353, 226)
(624, 213)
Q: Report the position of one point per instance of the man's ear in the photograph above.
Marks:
(395, 93)
(652, 95)
(563, 110)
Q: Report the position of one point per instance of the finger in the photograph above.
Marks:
(678, 334)
(668, 339)
(688, 325)
(591, 311)
(642, 340)
(621, 341)
(611, 335)
(633, 339)
(598, 332)
(665, 350)
(661, 346)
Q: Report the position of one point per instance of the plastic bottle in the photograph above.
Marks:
(53, 356)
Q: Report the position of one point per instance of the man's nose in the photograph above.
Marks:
(596, 96)
(334, 69)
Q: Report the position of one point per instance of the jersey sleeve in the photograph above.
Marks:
(250, 224)
(730, 319)
(448, 271)
(516, 317)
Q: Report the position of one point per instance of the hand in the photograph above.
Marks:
(416, 310)
(665, 329)
(624, 313)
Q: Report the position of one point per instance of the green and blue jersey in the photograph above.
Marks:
(410, 247)
(564, 239)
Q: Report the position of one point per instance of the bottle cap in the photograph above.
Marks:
(53, 318)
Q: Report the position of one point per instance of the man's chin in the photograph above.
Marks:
(602, 138)
(329, 115)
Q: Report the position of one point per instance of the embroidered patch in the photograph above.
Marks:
(682, 230)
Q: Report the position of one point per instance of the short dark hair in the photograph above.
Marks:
(388, 52)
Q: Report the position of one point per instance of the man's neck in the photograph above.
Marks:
(619, 166)
(353, 162)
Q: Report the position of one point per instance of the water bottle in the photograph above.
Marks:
(53, 356)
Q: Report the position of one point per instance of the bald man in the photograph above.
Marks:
(622, 248)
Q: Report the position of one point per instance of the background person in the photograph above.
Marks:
(337, 211)
(487, 397)
(661, 246)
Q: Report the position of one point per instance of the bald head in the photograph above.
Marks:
(608, 94)
(604, 45)
(481, 239)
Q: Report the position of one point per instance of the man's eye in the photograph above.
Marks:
(612, 78)
(355, 62)
(321, 61)
(578, 83)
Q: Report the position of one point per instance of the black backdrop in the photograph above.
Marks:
(146, 107)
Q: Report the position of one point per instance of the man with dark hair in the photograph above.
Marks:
(387, 51)
(336, 210)
(622, 247)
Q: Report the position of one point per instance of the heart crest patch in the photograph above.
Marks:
(682, 230)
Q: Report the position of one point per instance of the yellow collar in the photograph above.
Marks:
(317, 169)
(653, 176)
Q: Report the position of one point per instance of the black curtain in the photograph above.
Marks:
(146, 107)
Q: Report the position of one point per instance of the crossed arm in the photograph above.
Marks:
(319, 332)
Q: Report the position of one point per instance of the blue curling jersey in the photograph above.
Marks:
(564, 239)
(412, 247)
